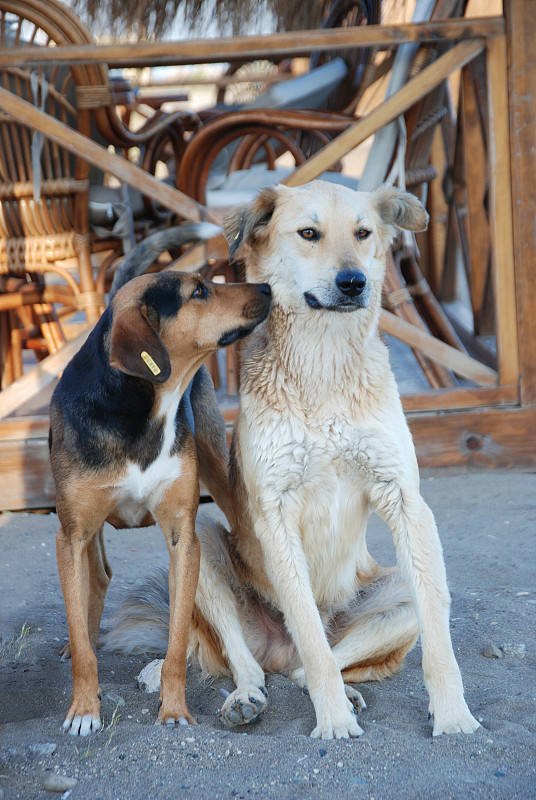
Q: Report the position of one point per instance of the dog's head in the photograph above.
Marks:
(173, 321)
(321, 245)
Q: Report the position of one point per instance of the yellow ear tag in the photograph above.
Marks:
(153, 366)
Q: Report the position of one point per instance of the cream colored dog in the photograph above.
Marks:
(321, 442)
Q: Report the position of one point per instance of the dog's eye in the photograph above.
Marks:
(200, 290)
(310, 234)
(363, 234)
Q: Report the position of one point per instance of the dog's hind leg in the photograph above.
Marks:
(211, 443)
(371, 638)
(100, 575)
(219, 607)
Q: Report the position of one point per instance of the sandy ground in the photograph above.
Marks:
(487, 524)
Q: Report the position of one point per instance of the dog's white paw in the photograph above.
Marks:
(344, 727)
(244, 705)
(82, 726)
(453, 719)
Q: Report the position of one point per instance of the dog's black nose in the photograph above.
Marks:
(351, 282)
(264, 288)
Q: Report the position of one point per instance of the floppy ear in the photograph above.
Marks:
(135, 346)
(245, 225)
(396, 207)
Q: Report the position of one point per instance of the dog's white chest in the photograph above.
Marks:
(140, 490)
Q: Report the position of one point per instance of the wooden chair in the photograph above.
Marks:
(243, 134)
(45, 192)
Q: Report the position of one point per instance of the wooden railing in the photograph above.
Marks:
(504, 433)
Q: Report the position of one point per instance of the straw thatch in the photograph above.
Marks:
(150, 18)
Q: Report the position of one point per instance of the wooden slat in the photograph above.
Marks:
(389, 110)
(476, 186)
(17, 428)
(40, 376)
(457, 399)
(500, 205)
(484, 438)
(100, 157)
(205, 51)
(198, 255)
(521, 115)
(456, 360)
(25, 474)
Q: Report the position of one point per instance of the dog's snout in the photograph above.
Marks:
(351, 282)
(264, 288)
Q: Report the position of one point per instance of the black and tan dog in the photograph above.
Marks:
(133, 425)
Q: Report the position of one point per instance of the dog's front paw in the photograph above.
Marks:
(174, 713)
(82, 725)
(338, 719)
(343, 727)
(454, 719)
(83, 717)
(244, 705)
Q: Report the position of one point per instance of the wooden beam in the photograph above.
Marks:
(461, 398)
(100, 157)
(484, 438)
(389, 110)
(247, 48)
(500, 211)
(456, 360)
(481, 438)
(521, 114)
(42, 375)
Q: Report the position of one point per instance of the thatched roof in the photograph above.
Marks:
(152, 18)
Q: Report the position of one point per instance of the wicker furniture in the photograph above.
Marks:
(45, 191)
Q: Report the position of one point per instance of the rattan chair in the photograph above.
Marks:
(47, 200)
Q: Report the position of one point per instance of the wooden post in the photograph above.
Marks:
(521, 38)
(500, 204)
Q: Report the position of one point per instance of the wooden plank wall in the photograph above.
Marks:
(521, 38)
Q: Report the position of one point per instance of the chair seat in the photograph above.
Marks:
(307, 91)
(241, 186)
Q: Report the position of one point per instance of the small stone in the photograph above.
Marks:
(492, 652)
(516, 650)
(58, 783)
(149, 677)
(15, 753)
(43, 750)
(523, 594)
(115, 698)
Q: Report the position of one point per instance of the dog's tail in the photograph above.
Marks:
(141, 626)
(140, 258)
